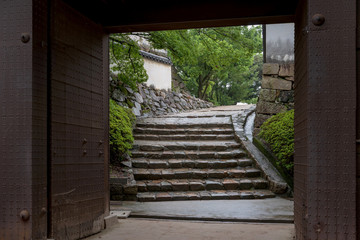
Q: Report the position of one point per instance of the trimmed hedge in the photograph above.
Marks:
(121, 136)
(278, 132)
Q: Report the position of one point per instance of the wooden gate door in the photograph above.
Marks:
(78, 121)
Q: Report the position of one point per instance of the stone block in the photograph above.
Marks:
(205, 196)
(175, 163)
(268, 95)
(110, 221)
(158, 164)
(269, 108)
(246, 195)
(278, 187)
(245, 184)
(270, 69)
(136, 111)
(188, 164)
(116, 189)
(237, 173)
(287, 70)
(197, 186)
(199, 174)
(130, 189)
(218, 195)
(286, 96)
(179, 196)
(118, 95)
(233, 195)
(166, 186)
(139, 98)
(193, 196)
(153, 186)
(212, 185)
(260, 184)
(152, 148)
(180, 186)
(230, 184)
(141, 187)
(275, 83)
(116, 197)
(253, 173)
(244, 162)
(146, 197)
(217, 174)
(260, 119)
(163, 197)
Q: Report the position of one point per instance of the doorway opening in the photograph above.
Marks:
(188, 160)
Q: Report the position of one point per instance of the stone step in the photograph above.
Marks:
(191, 163)
(204, 195)
(144, 145)
(174, 123)
(201, 185)
(190, 173)
(180, 137)
(189, 125)
(233, 154)
(183, 131)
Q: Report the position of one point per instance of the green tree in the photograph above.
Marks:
(212, 61)
(126, 61)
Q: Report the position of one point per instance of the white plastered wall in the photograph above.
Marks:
(159, 74)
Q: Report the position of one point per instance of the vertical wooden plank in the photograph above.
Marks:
(79, 81)
(23, 69)
(358, 118)
(325, 155)
(39, 119)
(301, 119)
(106, 146)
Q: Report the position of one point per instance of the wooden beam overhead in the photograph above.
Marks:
(125, 16)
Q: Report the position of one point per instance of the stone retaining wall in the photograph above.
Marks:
(149, 101)
(276, 94)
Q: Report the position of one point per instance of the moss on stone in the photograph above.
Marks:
(278, 132)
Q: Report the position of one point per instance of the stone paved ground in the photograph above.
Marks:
(140, 229)
(271, 210)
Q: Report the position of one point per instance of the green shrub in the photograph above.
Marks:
(121, 137)
(278, 132)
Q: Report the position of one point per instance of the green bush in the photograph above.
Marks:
(121, 137)
(278, 132)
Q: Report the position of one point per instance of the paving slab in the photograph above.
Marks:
(141, 229)
(169, 121)
(278, 210)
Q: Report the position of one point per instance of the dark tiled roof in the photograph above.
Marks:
(155, 57)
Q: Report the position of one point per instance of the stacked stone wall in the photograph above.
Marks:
(276, 94)
(148, 101)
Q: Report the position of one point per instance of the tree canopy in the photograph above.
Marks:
(125, 60)
(217, 64)
(214, 62)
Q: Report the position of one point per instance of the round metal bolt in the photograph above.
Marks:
(43, 211)
(84, 140)
(25, 37)
(25, 215)
(84, 152)
(318, 19)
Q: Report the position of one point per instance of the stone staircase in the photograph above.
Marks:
(193, 159)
